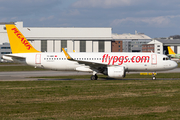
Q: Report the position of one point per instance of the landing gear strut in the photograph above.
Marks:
(94, 76)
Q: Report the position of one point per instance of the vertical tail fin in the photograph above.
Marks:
(171, 51)
(18, 43)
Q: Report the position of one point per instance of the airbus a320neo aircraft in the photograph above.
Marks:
(172, 53)
(114, 64)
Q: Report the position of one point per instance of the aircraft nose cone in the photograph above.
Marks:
(174, 64)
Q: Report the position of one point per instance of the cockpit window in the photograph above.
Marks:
(165, 58)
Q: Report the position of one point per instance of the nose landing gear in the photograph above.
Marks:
(153, 76)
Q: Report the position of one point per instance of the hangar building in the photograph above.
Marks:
(129, 42)
(160, 45)
(53, 39)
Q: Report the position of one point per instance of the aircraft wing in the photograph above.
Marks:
(94, 66)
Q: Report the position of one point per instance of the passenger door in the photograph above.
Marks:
(153, 60)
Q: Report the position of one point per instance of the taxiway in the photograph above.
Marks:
(26, 75)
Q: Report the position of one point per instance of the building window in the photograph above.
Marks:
(175, 49)
(63, 44)
(43, 45)
(101, 46)
(82, 46)
(5, 47)
(5, 52)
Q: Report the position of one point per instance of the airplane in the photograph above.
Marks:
(113, 64)
(172, 53)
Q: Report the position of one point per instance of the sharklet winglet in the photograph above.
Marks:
(67, 55)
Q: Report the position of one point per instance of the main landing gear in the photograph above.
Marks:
(94, 76)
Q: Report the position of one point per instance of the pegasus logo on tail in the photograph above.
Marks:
(21, 37)
(18, 43)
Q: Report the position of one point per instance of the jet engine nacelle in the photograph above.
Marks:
(116, 72)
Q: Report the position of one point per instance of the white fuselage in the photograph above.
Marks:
(131, 61)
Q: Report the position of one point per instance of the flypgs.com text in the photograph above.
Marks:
(23, 40)
(125, 59)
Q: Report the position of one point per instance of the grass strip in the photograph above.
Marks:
(19, 68)
(70, 100)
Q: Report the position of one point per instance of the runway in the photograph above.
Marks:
(25, 75)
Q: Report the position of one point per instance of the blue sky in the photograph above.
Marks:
(155, 18)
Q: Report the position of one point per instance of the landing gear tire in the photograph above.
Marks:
(94, 77)
(153, 78)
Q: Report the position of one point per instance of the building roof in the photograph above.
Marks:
(130, 36)
(171, 41)
(3, 23)
(67, 33)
